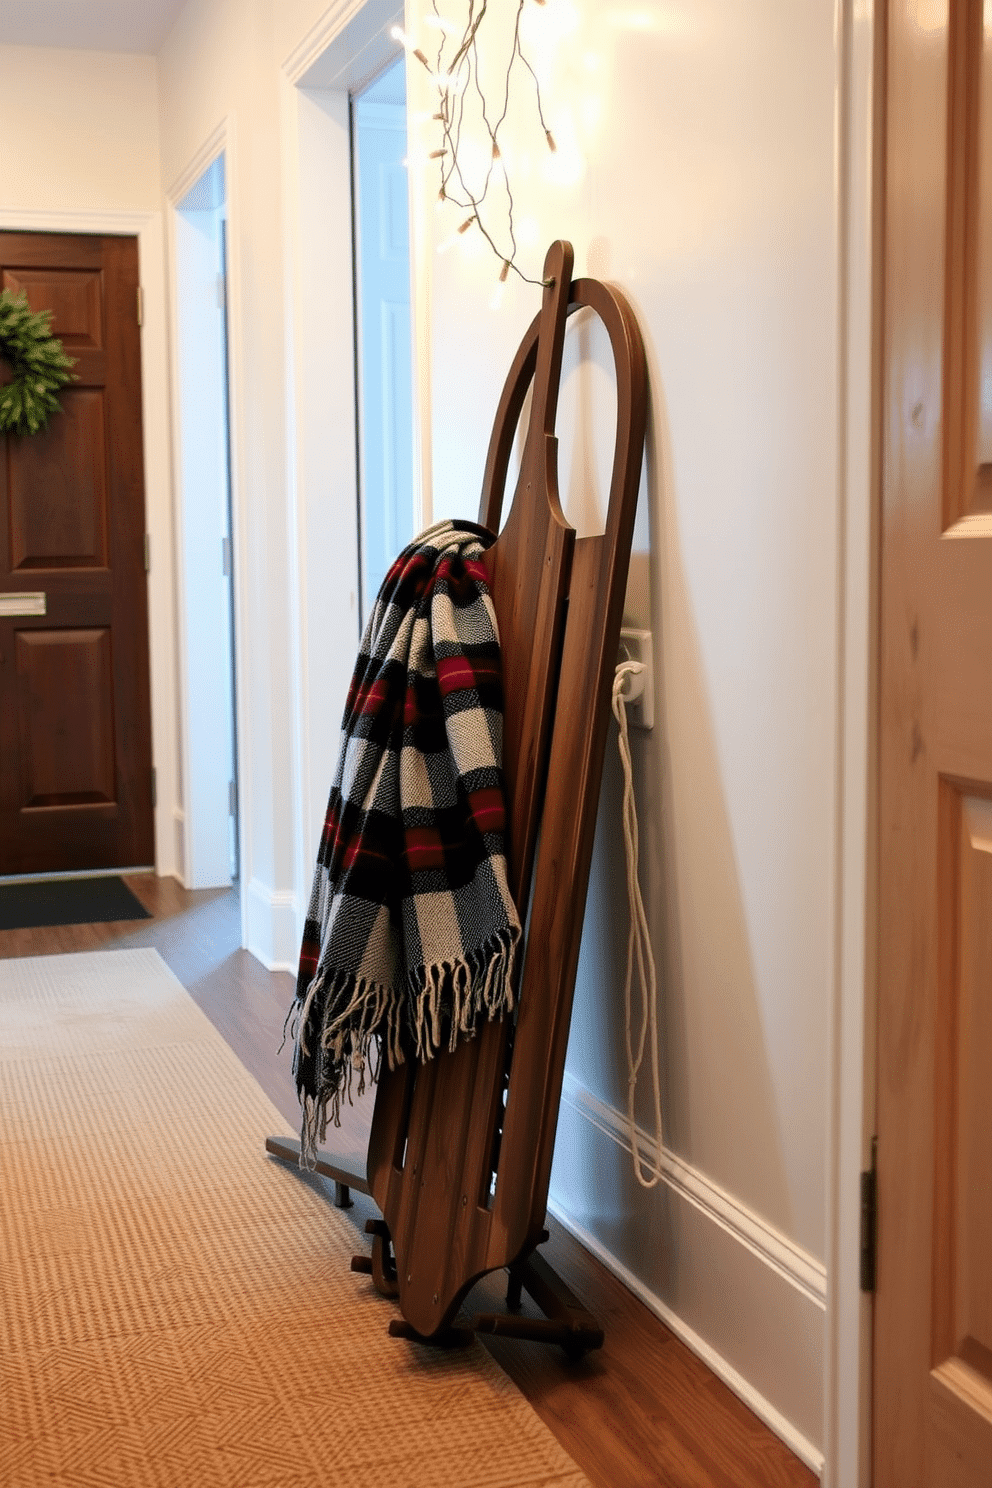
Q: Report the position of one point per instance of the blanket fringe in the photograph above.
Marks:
(451, 997)
(446, 1002)
(348, 1041)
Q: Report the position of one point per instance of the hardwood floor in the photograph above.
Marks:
(641, 1412)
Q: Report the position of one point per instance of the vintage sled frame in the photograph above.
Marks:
(460, 1150)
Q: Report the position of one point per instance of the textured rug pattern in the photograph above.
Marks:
(176, 1308)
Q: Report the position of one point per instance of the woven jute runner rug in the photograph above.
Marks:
(176, 1307)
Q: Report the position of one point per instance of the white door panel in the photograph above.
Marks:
(384, 349)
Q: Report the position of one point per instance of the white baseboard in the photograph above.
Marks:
(270, 927)
(745, 1298)
(178, 821)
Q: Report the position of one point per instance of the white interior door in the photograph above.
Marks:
(209, 791)
(386, 496)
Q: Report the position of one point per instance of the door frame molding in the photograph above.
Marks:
(220, 141)
(147, 227)
(851, 1065)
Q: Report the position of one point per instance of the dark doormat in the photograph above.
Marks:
(67, 901)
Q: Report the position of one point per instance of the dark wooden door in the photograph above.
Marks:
(75, 729)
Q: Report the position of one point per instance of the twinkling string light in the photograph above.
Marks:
(456, 76)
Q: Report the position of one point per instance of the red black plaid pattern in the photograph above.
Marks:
(411, 931)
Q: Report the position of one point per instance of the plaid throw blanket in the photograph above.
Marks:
(411, 932)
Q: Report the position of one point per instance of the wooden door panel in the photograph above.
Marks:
(73, 296)
(959, 660)
(967, 408)
(933, 1318)
(75, 716)
(971, 1214)
(57, 485)
(959, 1437)
(962, 1290)
(66, 708)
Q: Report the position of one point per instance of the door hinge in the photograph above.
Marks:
(869, 1221)
(148, 552)
(221, 291)
(232, 798)
(225, 556)
(141, 306)
(154, 787)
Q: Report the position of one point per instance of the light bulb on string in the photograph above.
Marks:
(473, 245)
(408, 43)
(481, 83)
(499, 292)
(564, 164)
(441, 23)
(457, 236)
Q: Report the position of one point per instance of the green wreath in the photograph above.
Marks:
(39, 364)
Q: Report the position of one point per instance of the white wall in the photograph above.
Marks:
(712, 193)
(79, 152)
(80, 131)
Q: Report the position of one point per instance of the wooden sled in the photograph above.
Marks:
(460, 1151)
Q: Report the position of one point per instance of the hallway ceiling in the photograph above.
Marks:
(88, 25)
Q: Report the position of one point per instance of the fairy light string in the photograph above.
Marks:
(456, 76)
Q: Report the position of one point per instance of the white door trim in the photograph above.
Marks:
(851, 1066)
(221, 140)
